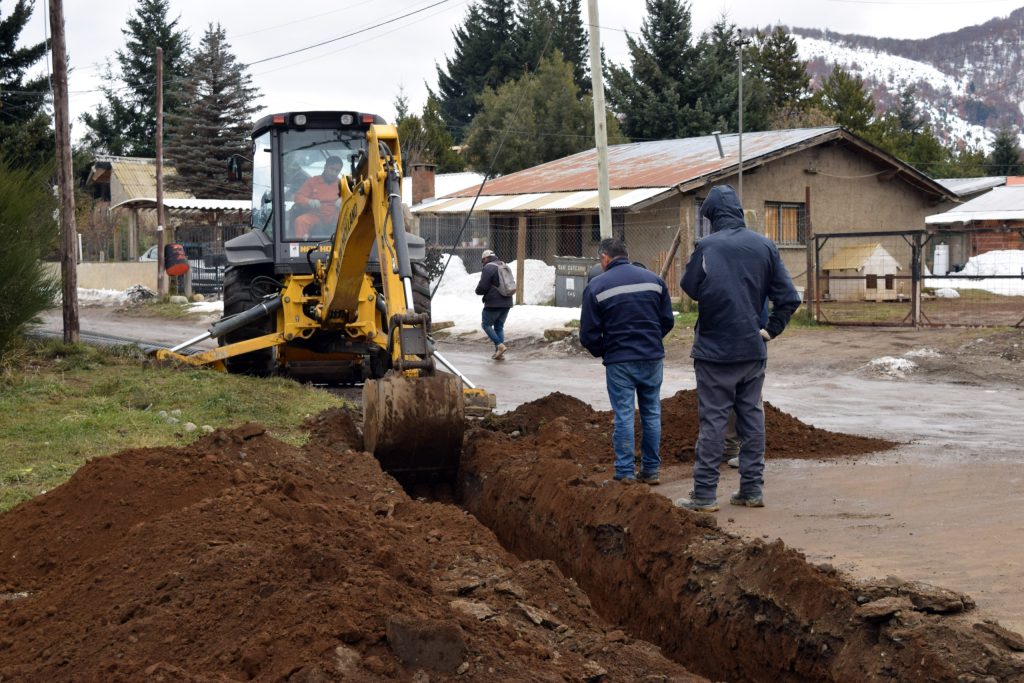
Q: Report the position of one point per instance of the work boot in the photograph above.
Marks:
(625, 479)
(744, 500)
(734, 461)
(649, 478)
(499, 352)
(697, 504)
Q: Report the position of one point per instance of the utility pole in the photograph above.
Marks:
(161, 274)
(739, 56)
(69, 242)
(600, 125)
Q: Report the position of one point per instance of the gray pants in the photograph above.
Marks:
(721, 389)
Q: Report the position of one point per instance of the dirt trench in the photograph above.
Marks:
(239, 557)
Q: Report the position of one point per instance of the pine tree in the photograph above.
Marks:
(213, 126)
(1005, 158)
(484, 57)
(26, 135)
(534, 33)
(657, 96)
(537, 118)
(844, 98)
(126, 123)
(779, 68)
(571, 39)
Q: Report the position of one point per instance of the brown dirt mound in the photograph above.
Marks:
(240, 557)
(727, 608)
(785, 435)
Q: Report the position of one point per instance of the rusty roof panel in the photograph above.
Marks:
(661, 163)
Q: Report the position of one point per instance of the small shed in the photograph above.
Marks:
(863, 272)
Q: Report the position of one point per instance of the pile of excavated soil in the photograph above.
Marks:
(243, 558)
(785, 435)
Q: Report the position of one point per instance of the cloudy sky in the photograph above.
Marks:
(394, 44)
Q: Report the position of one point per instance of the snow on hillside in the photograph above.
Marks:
(896, 72)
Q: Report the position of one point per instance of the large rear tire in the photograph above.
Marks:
(239, 297)
(420, 288)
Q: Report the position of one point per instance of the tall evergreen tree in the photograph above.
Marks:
(844, 98)
(717, 73)
(26, 135)
(1005, 158)
(777, 65)
(534, 33)
(126, 123)
(572, 40)
(541, 116)
(213, 127)
(657, 96)
(485, 56)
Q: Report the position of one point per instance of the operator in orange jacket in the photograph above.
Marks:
(319, 199)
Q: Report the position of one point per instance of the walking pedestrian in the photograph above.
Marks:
(496, 304)
(730, 274)
(626, 314)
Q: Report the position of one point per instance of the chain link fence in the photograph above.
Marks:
(970, 278)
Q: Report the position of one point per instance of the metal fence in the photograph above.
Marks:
(915, 278)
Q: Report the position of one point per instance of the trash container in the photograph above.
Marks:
(571, 279)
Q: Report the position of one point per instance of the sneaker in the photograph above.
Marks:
(734, 462)
(649, 479)
(499, 352)
(747, 501)
(699, 504)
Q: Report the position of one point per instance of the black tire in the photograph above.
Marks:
(239, 297)
(421, 288)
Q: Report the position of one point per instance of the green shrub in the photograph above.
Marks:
(29, 231)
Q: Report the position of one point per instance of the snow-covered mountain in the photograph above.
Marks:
(968, 82)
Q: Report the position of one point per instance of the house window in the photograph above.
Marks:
(785, 223)
(871, 281)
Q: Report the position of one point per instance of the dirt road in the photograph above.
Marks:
(944, 508)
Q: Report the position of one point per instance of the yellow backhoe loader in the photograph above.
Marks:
(329, 287)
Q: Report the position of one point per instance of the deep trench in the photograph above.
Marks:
(722, 606)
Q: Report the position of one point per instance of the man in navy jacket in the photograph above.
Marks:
(730, 274)
(626, 313)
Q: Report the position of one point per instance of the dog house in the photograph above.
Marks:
(863, 272)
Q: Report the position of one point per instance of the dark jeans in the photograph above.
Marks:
(641, 379)
(722, 388)
(494, 324)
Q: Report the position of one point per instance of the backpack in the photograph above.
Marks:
(506, 280)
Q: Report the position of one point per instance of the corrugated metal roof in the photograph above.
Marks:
(1000, 203)
(661, 163)
(540, 201)
(965, 186)
(137, 176)
(187, 204)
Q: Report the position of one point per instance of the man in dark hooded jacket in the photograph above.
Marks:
(730, 274)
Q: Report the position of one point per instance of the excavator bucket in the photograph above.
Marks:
(414, 425)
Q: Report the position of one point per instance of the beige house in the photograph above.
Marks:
(824, 180)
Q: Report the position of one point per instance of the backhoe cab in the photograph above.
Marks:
(329, 287)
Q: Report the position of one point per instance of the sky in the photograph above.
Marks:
(395, 44)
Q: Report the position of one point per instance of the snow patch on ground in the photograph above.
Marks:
(893, 368)
(999, 262)
(923, 353)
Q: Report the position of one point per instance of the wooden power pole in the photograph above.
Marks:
(65, 184)
(161, 274)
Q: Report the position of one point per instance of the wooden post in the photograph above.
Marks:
(161, 275)
(68, 244)
(521, 258)
(811, 286)
(133, 234)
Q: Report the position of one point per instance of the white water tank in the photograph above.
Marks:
(941, 260)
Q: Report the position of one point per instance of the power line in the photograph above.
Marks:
(347, 35)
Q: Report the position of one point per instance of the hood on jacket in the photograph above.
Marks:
(722, 207)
